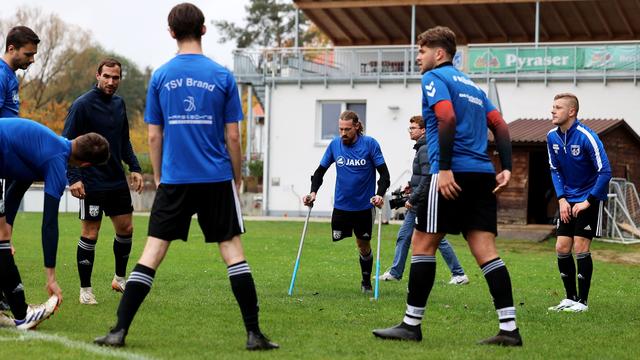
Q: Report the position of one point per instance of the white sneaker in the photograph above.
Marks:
(118, 283)
(6, 321)
(459, 280)
(576, 307)
(37, 314)
(387, 277)
(87, 297)
(566, 303)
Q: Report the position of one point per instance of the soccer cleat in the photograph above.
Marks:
(576, 307)
(504, 338)
(257, 341)
(37, 314)
(459, 280)
(87, 297)
(114, 338)
(563, 304)
(388, 277)
(118, 283)
(6, 321)
(401, 331)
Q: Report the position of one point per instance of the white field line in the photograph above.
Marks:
(39, 336)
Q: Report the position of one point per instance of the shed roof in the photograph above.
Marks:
(378, 22)
(534, 131)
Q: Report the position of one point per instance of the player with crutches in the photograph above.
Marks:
(357, 157)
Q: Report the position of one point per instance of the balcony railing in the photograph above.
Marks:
(585, 61)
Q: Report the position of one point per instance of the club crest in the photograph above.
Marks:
(575, 150)
(337, 234)
(94, 210)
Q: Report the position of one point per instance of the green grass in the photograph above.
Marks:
(191, 312)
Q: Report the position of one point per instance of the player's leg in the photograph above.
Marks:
(120, 209)
(10, 281)
(90, 214)
(221, 221)
(458, 276)
(403, 243)
(122, 242)
(362, 223)
(566, 267)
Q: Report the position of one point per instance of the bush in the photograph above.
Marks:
(256, 168)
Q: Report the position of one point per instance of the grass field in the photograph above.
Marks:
(191, 312)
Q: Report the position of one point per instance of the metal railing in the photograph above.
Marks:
(521, 62)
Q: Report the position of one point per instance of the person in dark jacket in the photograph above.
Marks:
(420, 169)
(103, 188)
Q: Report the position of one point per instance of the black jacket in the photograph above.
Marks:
(106, 115)
(420, 169)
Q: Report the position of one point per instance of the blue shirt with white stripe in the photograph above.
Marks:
(9, 97)
(579, 165)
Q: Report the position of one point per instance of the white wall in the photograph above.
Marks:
(295, 154)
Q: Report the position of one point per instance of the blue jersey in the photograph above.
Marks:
(30, 151)
(579, 165)
(471, 107)
(9, 96)
(192, 98)
(355, 171)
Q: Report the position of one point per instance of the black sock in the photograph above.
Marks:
(585, 269)
(568, 275)
(421, 277)
(138, 286)
(121, 251)
(10, 282)
(85, 255)
(366, 265)
(244, 290)
(497, 276)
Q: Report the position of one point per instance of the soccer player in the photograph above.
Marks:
(420, 170)
(580, 173)
(193, 109)
(21, 46)
(461, 187)
(103, 188)
(357, 158)
(32, 152)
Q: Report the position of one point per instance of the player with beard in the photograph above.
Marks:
(357, 157)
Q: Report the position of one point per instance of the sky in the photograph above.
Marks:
(137, 29)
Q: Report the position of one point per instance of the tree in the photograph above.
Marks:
(269, 23)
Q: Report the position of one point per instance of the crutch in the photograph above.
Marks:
(295, 267)
(376, 292)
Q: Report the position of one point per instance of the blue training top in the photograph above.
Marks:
(9, 91)
(30, 151)
(193, 98)
(355, 171)
(579, 165)
(471, 107)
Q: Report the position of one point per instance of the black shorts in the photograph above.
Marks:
(474, 209)
(216, 204)
(344, 222)
(588, 224)
(111, 202)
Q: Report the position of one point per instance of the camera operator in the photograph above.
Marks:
(411, 192)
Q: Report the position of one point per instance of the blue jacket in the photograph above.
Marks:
(579, 165)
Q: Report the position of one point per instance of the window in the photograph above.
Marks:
(329, 113)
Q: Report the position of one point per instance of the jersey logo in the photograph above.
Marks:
(575, 150)
(337, 234)
(431, 89)
(341, 161)
(189, 104)
(16, 97)
(556, 148)
(94, 210)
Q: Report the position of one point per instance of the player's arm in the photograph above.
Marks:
(129, 156)
(232, 137)
(316, 181)
(601, 163)
(500, 130)
(50, 242)
(383, 184)
(558, 182)
(155, 151)
(446, 134)
(72, 129)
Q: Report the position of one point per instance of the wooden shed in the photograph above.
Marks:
(530, 198)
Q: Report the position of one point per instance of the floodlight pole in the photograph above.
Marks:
(413, 37)
(537, 35)
(249, 125)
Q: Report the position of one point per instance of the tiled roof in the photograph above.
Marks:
(535, 130)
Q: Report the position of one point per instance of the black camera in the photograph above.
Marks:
(398, 199)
